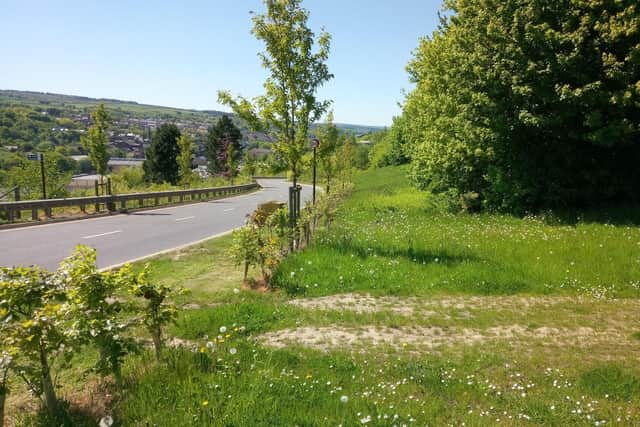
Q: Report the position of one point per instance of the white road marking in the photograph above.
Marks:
(230, 209)
(185, 218)
(103, 234)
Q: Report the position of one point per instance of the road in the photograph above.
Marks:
(127, 237)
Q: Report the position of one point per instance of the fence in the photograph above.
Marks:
(13, 211)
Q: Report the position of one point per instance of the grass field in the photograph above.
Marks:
(401, 314)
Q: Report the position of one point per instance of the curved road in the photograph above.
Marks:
(127, 237)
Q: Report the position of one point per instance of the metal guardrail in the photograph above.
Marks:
(116, 203)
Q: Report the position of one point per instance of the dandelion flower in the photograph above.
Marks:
(223, 329)
(232, 350)
(236, 290)
(344, 399)
(205, 403)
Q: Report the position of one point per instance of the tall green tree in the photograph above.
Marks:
(162, 156)
(223, 132)
(529, 103)
(185, 144)
(97, 140)
(296, 71)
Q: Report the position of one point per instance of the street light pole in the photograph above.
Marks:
(314, 144)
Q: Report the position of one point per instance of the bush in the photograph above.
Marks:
(535, 116)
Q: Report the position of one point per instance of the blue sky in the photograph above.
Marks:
(180, 54)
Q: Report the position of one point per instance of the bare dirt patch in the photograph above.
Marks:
(330, 338)
(358, 303)
(457, 306)
(196, 306)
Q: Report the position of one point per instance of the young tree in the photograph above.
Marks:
(94, 310)
(250, 164)
(245, 247)
(231, 159)
(296, 72)
(162, 156)
(184, 159)
(97, 140)
(7, 353)
(159, 310)
(345, 159)
(31, 303)
(326, 151)
(223, 132)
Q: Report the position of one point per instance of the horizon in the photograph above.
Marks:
(144, 104)
(181, 55)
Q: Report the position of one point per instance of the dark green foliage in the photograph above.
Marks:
(220, 135)
(529, 103)
(611, 381)
(162, 164)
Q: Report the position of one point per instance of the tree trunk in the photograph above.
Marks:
(157, 342)
(3, 397)
(50, 399)
(246, 273)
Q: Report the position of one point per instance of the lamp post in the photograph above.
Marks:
(314, 143)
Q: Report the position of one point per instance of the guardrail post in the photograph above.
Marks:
(141, 202)
(16, 197)
(111, 206)
(47, 212)
(9, 214)
(157, 200)
(34, 214)
(83, 208)
(97, 205)
(123, 205)
(181, 198)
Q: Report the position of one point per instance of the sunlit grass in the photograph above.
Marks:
(392, 239)
(463, 275)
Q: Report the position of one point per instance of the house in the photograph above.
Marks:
(83, 182)
(259, 153)
(202, 171)
(117, 163)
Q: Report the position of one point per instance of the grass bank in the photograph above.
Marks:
(401, 314)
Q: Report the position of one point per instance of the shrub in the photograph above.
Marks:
(32, 305)
(159, 310)
(95, 311)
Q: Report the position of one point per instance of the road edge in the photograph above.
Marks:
(169, 250)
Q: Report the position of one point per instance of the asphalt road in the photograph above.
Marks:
(127, 237)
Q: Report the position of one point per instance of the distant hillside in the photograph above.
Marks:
(53, 100)
(43, 100)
